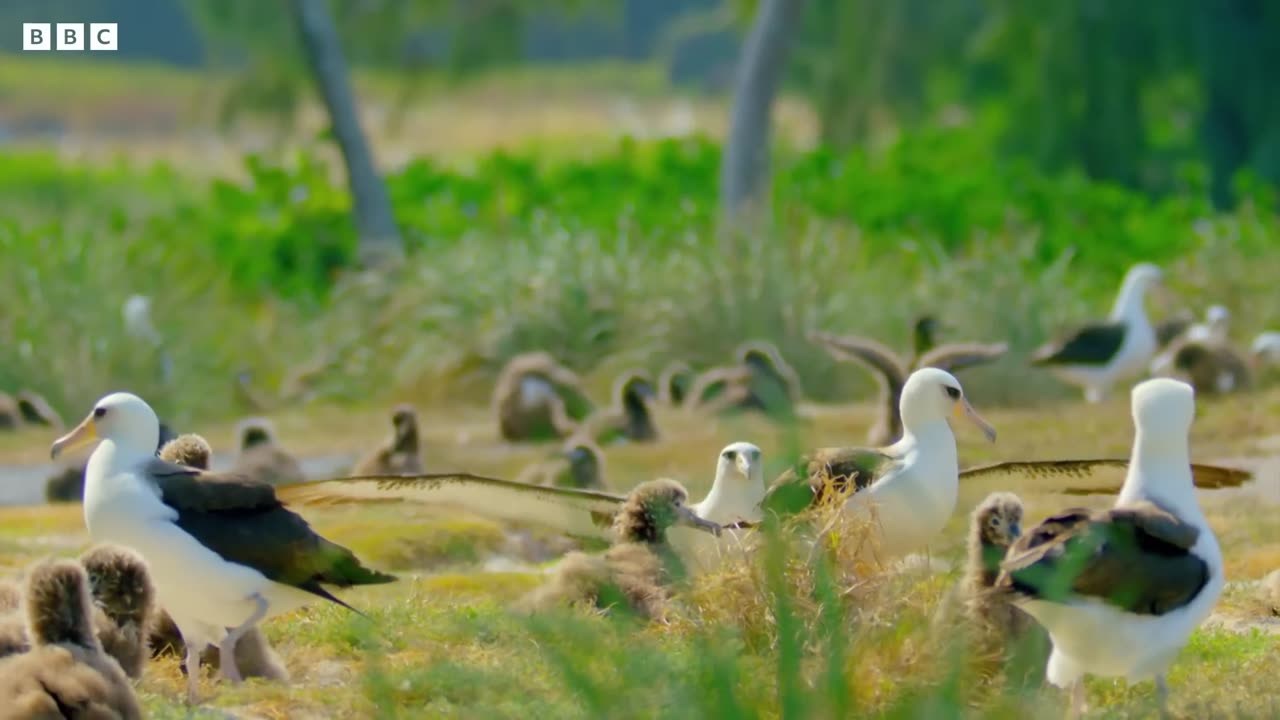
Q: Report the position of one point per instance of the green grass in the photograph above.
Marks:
(774, 636)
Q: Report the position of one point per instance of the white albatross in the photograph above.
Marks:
(223, 551)
(1098, 355)
(912, 484)
(1121, 590)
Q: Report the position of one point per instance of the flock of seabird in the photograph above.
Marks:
(191, 561)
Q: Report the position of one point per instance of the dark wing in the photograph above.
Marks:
(581, 513)
(1092, 476)
(244, 522)
(827, 475)
(719, 389)
(866, 352)
(958, 356)
(1136, 558)
(1093, 344)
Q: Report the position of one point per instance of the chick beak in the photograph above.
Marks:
(686, 516)
(83, 434)
(963, 408)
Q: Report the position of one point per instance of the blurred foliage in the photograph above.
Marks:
(605, 262)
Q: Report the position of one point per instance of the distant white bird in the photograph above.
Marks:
(222, 550)
(1098, 355)
(1214, 331)
(1121, 590)
(1266, 348)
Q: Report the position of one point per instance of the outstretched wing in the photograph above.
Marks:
(1093, 476)
(1086, 345)
(580, 513)
(958, 356)
(866, 352)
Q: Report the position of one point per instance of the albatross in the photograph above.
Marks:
(1121, 590)
(1098, 355)
(912, 484)
(222, 549)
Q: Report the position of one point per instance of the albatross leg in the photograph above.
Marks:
(1077, 700)
(227, 648)
(193, 672)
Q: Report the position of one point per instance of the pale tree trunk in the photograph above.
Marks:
(376, 224)
(744, 170)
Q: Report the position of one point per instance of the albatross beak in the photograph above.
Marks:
(744, 465)
(964, 408)
(83, 434)
(686, 516)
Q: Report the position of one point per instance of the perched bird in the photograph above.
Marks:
(254, 655)
(261, 458)
(400, 455)
(223, 551)
(674, 383)
(638, 571)
(124, 602)
(1100, 354)
(892, 370)
(629, 418)
(1212, 367)
(1121, 590)
(66, 673)
(773, 384)
(913, 484)
(735, 495)
(579, 464)
(537, 398)
(37, 411)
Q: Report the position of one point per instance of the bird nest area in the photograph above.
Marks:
(803, 625)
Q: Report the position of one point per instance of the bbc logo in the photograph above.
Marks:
(68, 36)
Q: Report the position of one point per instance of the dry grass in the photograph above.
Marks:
(442, 644)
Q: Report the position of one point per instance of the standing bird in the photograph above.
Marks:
(579, 464)
(254, 655)
(893, 369)
(261, 458)
(1098, 355)
(638, 571)
(912, 484)
(629, 418)
(674, 383)
(1121, 590)
(66, 674)
(401, 454)
(223, 551)
(537, 399)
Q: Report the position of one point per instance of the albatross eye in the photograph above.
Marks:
(730, 454)
(953, 392)
(99, 412)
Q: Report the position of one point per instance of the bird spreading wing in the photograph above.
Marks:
(1094, 476)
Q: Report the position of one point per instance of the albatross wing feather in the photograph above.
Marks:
(1087, 345)
(958, 356)
(244, 522)
(581, 513)
(866, 352)
(1136, 558)
(1058, 472)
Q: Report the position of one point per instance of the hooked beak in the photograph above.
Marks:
(686, 516)
(964, 408)
(83, 434)
(744, 465)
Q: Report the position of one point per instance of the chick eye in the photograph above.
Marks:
(953, 392)
(99, 412)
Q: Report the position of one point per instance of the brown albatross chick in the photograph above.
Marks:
(579, 464)
(893, 369)
(629, 418)
(66, 670)
(538, 399)
(261, 457)
(636, 573)
(400, 454)
(1211, 368)
(254, 655)
(124, 602)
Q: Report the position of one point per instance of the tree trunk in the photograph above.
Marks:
(379, 237)
(744, 170)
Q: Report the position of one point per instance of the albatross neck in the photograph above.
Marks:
(732, 499)
(1129, 302)
(1160, 472)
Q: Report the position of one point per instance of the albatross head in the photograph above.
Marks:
(123, 418)
(1133, 291)
(1163, 409)
(740, 461)
(932, 395)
